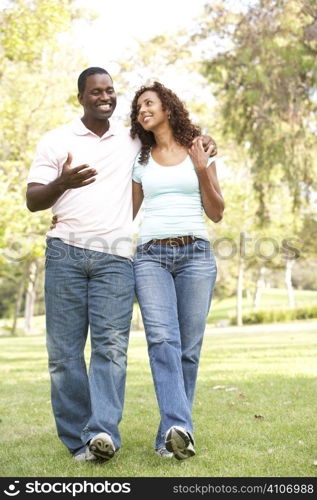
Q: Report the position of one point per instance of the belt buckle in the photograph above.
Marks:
(173, 242)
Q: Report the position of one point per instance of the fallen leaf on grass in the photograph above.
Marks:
(270, 451)
(217, 387)
(258, 416)
(315, 462)
(231, 389)
(242, 395)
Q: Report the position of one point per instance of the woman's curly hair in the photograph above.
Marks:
(183, 129)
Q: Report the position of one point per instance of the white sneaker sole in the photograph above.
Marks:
(101, 446)
(163, 453)
(86, 456)
(178, 442)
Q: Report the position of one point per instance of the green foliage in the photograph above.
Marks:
(305, 276)
(7, 294)
(273, 315)
(222, 309)
(37, 80)
(265, 76)
(38, 22)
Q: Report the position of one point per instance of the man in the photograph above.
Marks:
(88, 271)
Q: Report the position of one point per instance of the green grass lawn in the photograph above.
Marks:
(254, 414)
(271, 298)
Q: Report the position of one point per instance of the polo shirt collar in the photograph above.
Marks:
(80, 129)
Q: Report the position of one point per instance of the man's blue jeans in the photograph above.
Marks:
(174, 287)
(87, 289)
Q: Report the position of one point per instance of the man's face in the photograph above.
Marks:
(99, 97)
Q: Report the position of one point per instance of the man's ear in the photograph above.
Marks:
(80, 98)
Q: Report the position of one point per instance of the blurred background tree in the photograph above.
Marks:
(37, 89)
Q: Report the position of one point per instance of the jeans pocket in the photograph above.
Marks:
(202, 245)
(56, 250)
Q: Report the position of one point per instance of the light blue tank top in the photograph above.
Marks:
(172, 201)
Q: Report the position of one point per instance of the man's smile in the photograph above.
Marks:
(105, 107)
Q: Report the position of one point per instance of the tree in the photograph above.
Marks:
(264, 70)
(37, 85)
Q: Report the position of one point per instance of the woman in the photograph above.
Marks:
(174, 266)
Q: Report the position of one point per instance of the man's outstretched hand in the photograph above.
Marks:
(73, 178)
(42, 196)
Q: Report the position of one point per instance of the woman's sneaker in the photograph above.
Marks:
(179, 442)
(101, 446)
(163, 453)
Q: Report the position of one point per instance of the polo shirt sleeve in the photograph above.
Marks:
(45, 165)
(137, 170)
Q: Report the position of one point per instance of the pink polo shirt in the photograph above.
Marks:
(97, 216)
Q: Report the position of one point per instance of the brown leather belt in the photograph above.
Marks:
(178, 241)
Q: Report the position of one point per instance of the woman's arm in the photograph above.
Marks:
(137, 197)
(212, 199)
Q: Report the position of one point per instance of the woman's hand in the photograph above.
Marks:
(198, 155)
(208, 182)
(207, 141)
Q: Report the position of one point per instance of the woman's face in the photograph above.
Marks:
(150, 112)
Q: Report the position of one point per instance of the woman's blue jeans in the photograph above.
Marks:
(174, 286)
(85, 289)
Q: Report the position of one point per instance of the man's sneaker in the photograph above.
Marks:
(101, 446)
(179, 442)
(85, 456)
(163, 453)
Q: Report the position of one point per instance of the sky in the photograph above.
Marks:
(122, 22)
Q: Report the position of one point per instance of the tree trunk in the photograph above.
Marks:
(241, 265)
(288, 281)
(18, 304)
(259, 286)
(30, 297)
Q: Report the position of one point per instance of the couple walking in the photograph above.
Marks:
(83, 171)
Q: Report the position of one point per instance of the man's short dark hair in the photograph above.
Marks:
(87, 72)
